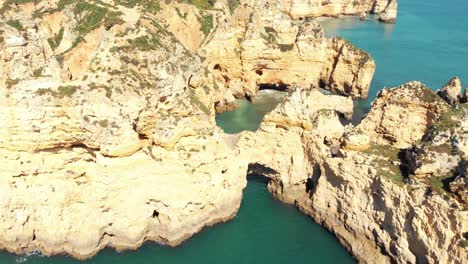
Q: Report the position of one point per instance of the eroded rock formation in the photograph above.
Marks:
(387, 9)
(107, 131)
(367, 194)
(108, 138)
(261, 46)
(412, 101)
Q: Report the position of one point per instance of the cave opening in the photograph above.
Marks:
(282, 87)
(259, 173)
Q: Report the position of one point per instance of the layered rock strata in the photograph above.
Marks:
(261, 47)
(108, 138)
(365, 192)
(387, 9)
(107, 130)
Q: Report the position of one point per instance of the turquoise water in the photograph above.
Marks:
(264, 231)
(429, 43)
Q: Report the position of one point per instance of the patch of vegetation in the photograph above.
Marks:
(271, 38)
(104, 123)
(233, 4)
(202, 4)
(38, 72)
(151, 6)
(386, 160)
(11, 82)
(464, 243)
(108, 89)
(425, 94)
(16, 24)
(67, 90)
(206, 23)
(90, 15)
(146, 43)
(451, 119)
(55, 41)
(440, 183)
(286, 47)
(129, 60)
(184, 15)
(62, 91)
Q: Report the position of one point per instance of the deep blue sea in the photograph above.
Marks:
(429, 43)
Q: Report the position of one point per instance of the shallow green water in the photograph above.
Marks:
(428, 43)
(249, 116)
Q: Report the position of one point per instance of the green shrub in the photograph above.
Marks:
(16, 24)
(206, 24)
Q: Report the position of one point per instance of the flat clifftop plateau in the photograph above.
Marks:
(391, 194)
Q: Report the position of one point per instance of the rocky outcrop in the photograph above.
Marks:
(451, 92)
(261, 47)
(387, 9)
(108, 138)
(444, 148)
(412, 101)
(107, 131)
(460, 188)
(464, 98)
(279, 148)
(76, 201)
(365, 196)
(388, 13)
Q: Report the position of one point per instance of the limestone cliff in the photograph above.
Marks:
(107, 131)
(366, 193)
(412, 101)
(108, 138)
(259, 46)
(387, 9)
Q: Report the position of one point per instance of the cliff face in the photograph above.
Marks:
(412, 101)
(261, 46)
(107, 130)
(366, 192)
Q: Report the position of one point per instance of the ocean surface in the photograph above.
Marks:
(429, 43)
